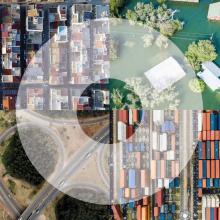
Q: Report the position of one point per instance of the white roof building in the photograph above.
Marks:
(165, 74)
(210, 75)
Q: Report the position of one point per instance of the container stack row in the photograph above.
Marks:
(209, 151)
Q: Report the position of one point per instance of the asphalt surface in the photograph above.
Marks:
(50, 192)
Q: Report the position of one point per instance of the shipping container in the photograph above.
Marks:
(138, 213)
(122, 131)
(162, 216)
(132, 178)
(204, 137)
(146, 200)
(200, 156)
(177, 168)
(203, 183)
(200, 169)
(144, 213)
(217, 174)
(204, 121)
(212, 121)
(143, 178)
(130, 118)
(216, 154)
(208, 150)
(127, 193)
(176, 116)
(162, 168)
(200, 136)
(156, 211)
(208, 119)
(153, 169)
(163, 142)
(123, 178)
(208, 169)
(135, 115)
(123, 116)
(199, 119)
(217, 137)
(199, 183)
(212, 135)
(212, 168)
(158, 116)
(138, 160)
(212, 150)
(204, 168)
(155, 140)
(207, 214)
(173, 169)
(169, 216)
(134, 193)
(173, 142)
(159, 198)
(130, 132)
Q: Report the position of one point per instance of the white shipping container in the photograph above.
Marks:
(155, 141)
(163, 142)
(170, 155)
(130, 117)
(209, 201)
(146, 191)
(121, 131)
(203, 213)
(166, 183)
(160, 183)
(204, 201)
(158, 116)
(199, 121)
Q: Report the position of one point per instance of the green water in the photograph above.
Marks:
(197, 27)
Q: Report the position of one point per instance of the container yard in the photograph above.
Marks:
(149, 163)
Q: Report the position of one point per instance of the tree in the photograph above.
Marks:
(197, 85)
(161, 1)
(200, 52)
(17, 163)
(73, 209)
(115, 5)
(117, 99)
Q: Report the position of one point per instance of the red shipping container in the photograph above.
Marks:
(215, 213)
(212, 168)
(159, 198)
(208, 166)
(219, 213)
(130, 132)
(212, 135)
(204, 121)
(217, 175)
(204, 137)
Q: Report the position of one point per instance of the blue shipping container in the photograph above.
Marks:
(212, 118)
(173, 208)
(200, 150)
(169, 216)
(204, 169)
(208, 185)
(162, 216)
(208, 150)
(132, 178)
(212, 213)
(219, 121)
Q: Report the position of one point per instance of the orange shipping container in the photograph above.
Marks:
(138, 214)
(204, 138)
(162, 168)
(135, 115)
(204, 121)
(200, 136)
(208, 121)
(138, 160)
(212, 135)
(199, 193)
(173, 141)
(204, 183)
(212, 168)
(208, 166)
(177, 168)
(144, 213)
(212, 150)
(207, 214)
(122, 178)
(208, 134)
(200, 169)
(127, 193)
(217, 175)
(143, 178)
(153, 169)
(218, 213)
(156, 211)
(217, 137)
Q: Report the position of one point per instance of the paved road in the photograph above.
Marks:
(49, 192)
(11, 205)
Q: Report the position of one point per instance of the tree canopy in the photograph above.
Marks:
(200, 52)
(69, 208)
